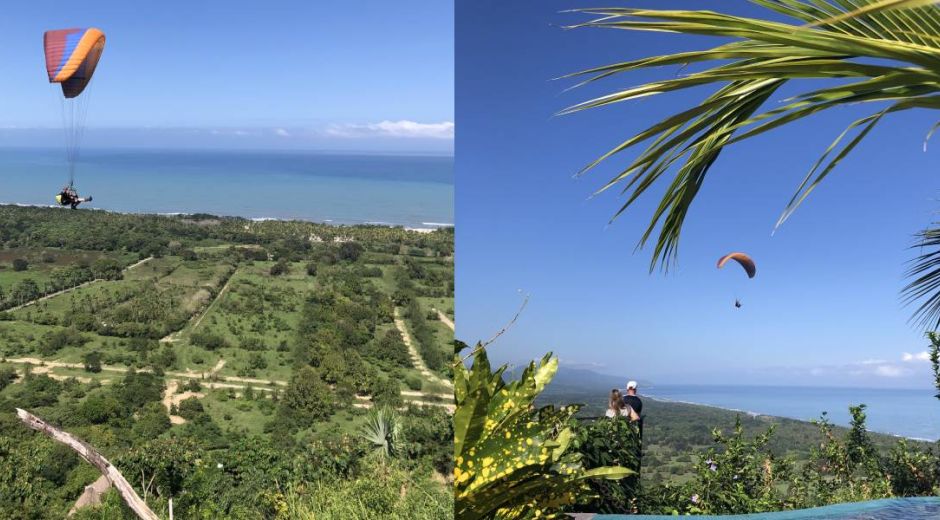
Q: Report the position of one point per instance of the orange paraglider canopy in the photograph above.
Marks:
(746, 262)
(72, 56)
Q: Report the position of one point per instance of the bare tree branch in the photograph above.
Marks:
(93, 457)
(482, 345)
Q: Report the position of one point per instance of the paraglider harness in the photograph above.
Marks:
(69, 197)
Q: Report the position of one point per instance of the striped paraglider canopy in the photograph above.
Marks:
(71, 57)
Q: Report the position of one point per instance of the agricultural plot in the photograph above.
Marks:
(231, 410)
(239, 324)
(215, 337)
(428, 284)
(28, 273)
(49, 258)
(151, 301)
(252, 323)
(443, 333)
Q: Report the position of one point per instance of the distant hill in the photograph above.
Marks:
(584, 379)
(570, 380)
(584, 386)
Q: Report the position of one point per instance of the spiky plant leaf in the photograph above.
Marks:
(512, 461)
(382, 429)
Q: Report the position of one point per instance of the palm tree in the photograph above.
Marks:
(879, 53)
(382, 429)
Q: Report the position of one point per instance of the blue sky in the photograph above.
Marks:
(824, 307)
(368, 74)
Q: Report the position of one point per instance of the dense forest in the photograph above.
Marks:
(241, 369)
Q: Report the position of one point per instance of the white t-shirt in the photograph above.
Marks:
(623, 412)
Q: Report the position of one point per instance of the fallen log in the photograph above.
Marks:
(93, 457)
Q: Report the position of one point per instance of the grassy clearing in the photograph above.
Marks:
(238, 414)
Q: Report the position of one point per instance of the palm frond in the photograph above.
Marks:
(924, 275)
(883, 53)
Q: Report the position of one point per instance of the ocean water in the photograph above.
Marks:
(921, 508)
(907, 413)
(413, 191)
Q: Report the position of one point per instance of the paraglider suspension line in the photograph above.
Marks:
(74, 112)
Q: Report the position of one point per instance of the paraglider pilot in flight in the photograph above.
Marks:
(69, 197)
(746, 262)
(71, 58)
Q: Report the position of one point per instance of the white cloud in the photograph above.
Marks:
(889, 371)
(281, 132)
(232, 131)
(401, 129)
(867, 368)
(919, 356)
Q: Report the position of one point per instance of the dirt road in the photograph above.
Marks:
(416, 359)
(445, 319)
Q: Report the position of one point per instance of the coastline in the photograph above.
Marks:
(427, 227)
(754, 414)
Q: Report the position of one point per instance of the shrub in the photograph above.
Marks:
(190, 409)
(280, 268)
(151, 421)
(414, 382)
(92, 361)
(257, 362)
(99, 408)
(350, 251)
(20, 264)
(386, 392)
(208, 340)
(7, 376)
(372, 272)
(307, 398)
(55, 340)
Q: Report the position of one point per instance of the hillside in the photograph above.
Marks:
(674, 431)
(169, 342)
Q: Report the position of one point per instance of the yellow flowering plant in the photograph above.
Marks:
(512, 461)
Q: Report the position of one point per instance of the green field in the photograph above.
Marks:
(217, 313)
(192, 336)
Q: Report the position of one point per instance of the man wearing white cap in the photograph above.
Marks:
(631, 398)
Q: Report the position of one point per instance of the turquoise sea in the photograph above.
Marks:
(913, 413)
(413, 191)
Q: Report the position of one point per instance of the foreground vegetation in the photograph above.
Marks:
(675, 434)
(504, 441)
(242, 369)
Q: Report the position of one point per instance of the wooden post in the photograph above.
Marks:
(93, 457)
